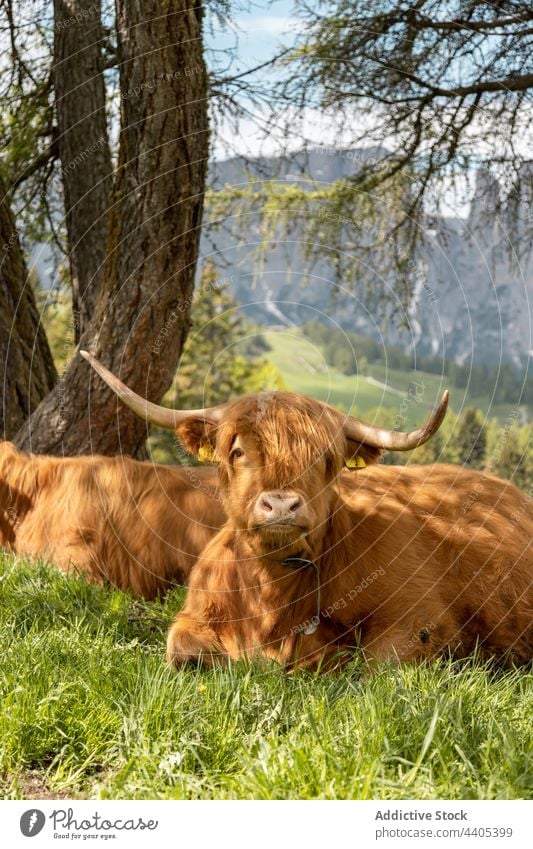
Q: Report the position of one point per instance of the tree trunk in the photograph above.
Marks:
(27, 368)
(142, 315)
(83, 147)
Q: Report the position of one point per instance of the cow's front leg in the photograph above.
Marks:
(189, 640)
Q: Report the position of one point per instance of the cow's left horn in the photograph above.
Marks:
(161, 416)
(392, 440)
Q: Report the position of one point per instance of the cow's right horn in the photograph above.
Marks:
(392, 440)
(161, 416)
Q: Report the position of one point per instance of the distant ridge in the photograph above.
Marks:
(471, 306)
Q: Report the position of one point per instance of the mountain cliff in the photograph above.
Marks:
(473, 295)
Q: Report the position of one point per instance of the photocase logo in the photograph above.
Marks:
(32, 822)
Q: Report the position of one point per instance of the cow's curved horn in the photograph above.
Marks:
(392, 440)
(161, 416)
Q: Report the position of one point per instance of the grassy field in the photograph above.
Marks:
(305, 370)
(90, 710)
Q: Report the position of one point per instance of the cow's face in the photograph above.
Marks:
(279, 456)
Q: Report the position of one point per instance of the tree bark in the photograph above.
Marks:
(27, 367)
(84, 152)
(142, 314)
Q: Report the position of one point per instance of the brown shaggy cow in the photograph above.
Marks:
(138, 526)
(403, 562)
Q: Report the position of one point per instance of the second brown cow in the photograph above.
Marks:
(137, 526)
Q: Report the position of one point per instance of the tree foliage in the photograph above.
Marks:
(28, 129)
(366, 235)
(472, 439)
(427, 96)
(447, 83)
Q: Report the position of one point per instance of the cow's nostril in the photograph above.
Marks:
(282, 506)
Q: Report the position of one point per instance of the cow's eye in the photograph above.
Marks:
(236, 453)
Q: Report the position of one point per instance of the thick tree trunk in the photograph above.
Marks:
(27, 368)
(83, 147)
(142, 315)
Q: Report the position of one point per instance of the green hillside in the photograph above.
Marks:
(304, 369)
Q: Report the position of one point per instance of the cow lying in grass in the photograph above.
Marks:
(405, 563)
(137, 526)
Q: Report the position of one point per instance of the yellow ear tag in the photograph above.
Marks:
(206, 453)
(355, 463)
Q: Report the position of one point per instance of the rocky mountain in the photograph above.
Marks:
(472, 302)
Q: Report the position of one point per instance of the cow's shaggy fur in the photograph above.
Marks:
(411, 561)
(138, 526)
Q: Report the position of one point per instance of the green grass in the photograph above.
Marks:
(89, 709)
(304, 369)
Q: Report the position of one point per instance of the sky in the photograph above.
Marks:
(258, 31)
(261, 28)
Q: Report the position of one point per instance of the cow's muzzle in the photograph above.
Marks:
(282, 508)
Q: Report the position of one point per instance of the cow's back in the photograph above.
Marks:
(451, 500)
(139, 526)
(454, 534)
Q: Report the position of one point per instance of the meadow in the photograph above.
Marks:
(381, 389)
(89, 709)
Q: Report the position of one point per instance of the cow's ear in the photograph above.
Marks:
(359, 455)
(199, 438)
